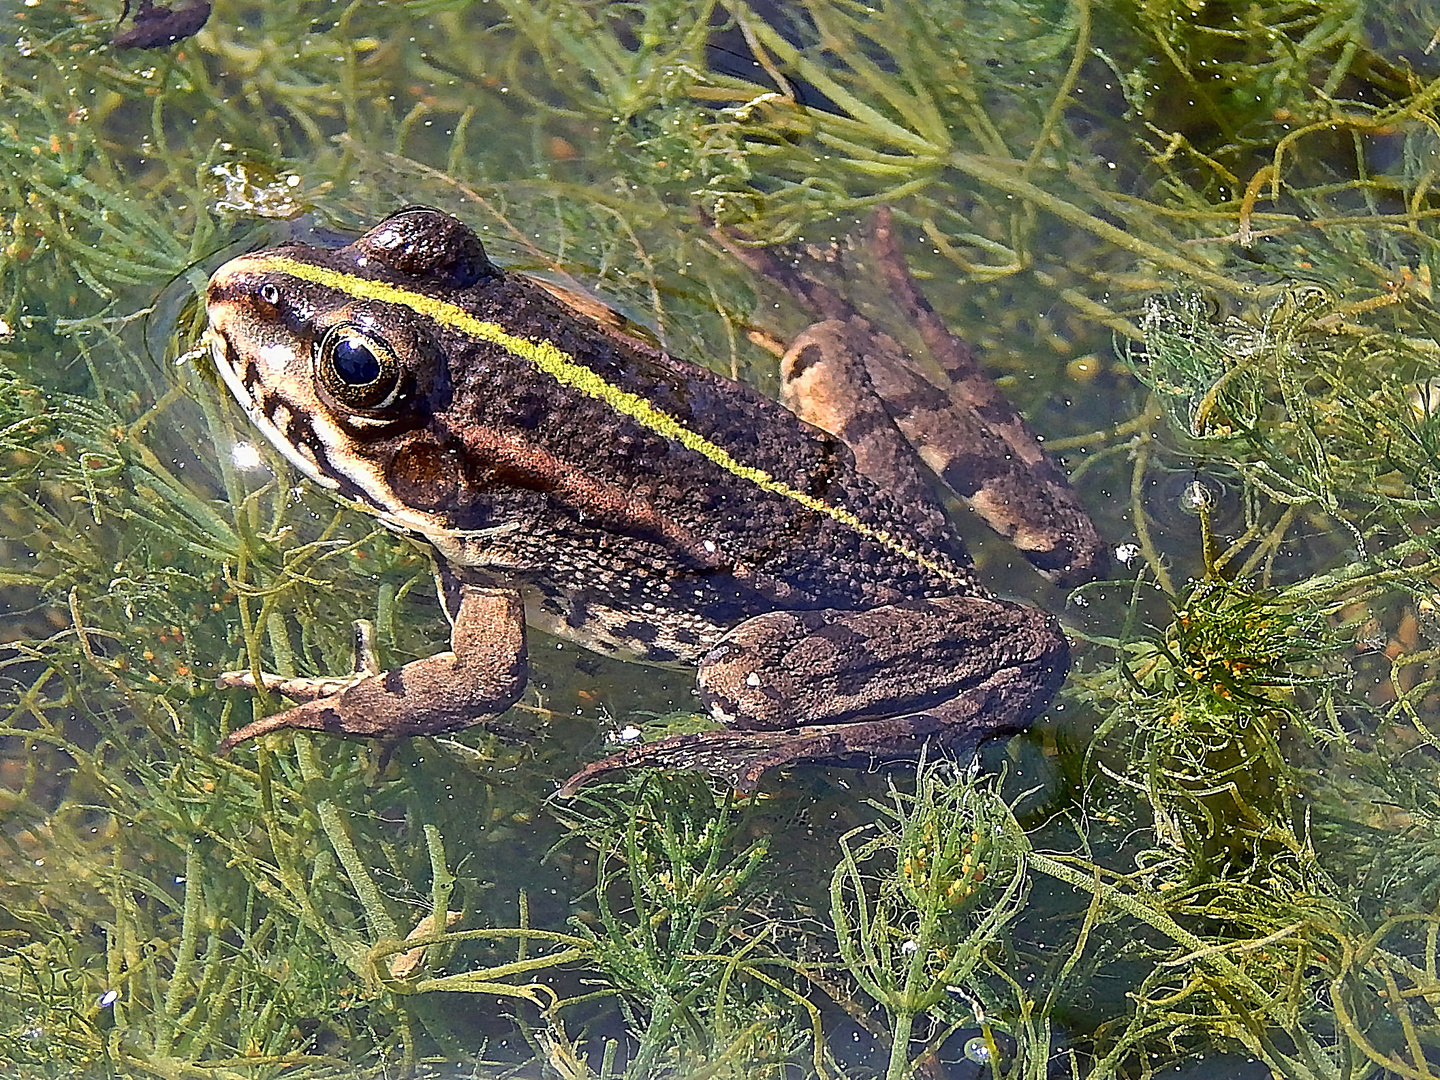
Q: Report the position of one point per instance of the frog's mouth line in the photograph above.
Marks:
(462, 545)
(223, 357)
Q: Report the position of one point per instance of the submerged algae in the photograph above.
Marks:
(1246, 801)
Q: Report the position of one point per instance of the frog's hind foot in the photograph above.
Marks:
(742, 758)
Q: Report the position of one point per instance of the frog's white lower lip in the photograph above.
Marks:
(220, 354)
(397, 517)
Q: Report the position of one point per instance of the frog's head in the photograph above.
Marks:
(334, 356)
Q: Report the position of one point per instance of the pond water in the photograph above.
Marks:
(1194, 246)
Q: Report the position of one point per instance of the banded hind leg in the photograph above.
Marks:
(853, 379)
(838, 687)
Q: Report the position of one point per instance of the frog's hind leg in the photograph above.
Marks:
(1020, 493)
(848, 687)
(825, 381)
(976, 442)
(1002, 705)
(959, 423)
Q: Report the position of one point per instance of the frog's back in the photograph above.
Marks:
(663, 469)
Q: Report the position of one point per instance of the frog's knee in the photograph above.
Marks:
(739, 694)
(745, 681)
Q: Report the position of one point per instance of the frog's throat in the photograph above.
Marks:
(566, 370)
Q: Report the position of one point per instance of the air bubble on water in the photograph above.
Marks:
(1196, 497)
(977, 1049)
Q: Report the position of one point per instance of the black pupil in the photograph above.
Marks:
(355, 362)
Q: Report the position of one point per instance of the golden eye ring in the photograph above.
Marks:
(358, 369)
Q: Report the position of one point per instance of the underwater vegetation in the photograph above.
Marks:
(1197, 244)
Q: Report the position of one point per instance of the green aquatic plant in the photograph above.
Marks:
(672, 935)
(678, 933)
(921, 905)
(1197, 725)
(1314, 408)
(1229, 726)
(1250, 832)
(190, 959)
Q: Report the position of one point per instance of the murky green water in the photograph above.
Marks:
(1194, 243)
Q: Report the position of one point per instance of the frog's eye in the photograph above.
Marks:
(358, 369)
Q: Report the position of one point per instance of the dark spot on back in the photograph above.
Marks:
(578, 614)
(638, 630)
(806, 358)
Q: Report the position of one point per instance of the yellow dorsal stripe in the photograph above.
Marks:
(566, 370)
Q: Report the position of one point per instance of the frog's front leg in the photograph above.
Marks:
(482, 675)
(311, 688)
(831, 686)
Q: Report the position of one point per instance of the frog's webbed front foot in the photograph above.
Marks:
(483, 674)
(839, 687)
(305, 688)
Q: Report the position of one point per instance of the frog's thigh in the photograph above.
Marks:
(825, 382)
(837, 687)
(792, 669)
(482, 675)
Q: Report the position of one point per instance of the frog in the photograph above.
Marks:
(570, 476)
